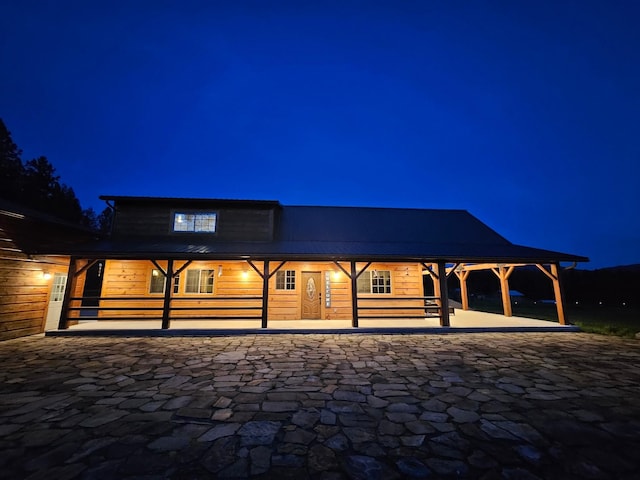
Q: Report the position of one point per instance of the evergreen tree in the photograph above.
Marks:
(35, 184)
(11, 168)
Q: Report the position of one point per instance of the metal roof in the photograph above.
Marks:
(345, 233)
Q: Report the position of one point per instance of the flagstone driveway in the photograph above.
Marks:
(505, 405)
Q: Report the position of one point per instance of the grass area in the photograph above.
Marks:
(606, 320)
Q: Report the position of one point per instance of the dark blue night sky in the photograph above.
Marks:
(526, 114)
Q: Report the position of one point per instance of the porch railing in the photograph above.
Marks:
(429, 305)
(146, 311)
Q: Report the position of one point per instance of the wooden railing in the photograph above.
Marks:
(135, 312)
(427, 305)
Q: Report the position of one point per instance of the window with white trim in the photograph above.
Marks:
(199, 281)
(375, 281)
(202, 222)
(286, 280)
(156, 284)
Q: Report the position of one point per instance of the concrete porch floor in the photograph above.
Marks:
(462, 321)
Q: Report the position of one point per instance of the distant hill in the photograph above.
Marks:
(635, 268)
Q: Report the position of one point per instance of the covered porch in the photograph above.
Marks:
(146, 294)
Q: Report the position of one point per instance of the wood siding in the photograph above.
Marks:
(233, 224)
(24, 296)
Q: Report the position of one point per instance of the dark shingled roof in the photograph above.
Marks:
(345, 233)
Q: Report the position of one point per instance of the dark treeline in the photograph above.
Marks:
(611, 286)
(34, 184)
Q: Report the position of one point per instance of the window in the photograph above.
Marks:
(156, 285)
(176, 284)
(376, 281)
(199, 281)
(286, 280)
(195, 222)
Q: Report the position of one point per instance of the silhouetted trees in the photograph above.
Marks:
(35, 184)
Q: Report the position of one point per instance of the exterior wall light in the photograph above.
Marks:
(219, 270)
(245, 274)
(46, 274)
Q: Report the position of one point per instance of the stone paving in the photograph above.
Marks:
(325, 406)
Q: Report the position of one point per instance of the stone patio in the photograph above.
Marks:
(326, 406)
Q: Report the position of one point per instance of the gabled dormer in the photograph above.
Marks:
(188, 219)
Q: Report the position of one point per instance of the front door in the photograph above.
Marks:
(311, 295)
(55, 301)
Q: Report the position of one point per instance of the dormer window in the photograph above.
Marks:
(201, 222)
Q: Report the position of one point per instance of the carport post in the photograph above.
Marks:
(168, 290)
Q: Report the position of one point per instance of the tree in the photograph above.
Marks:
(35, 184)
(44, 192)
(11, 168)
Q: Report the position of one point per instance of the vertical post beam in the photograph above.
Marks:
(168, 292)
(435, 279)
(444, 295)
(503, 274)
(558, 293)
(354, 295)
(464, 292)
(72, 281)
(265, 294)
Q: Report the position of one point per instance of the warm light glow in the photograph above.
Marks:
(245, 274)
(336, 275)
(46, 275)
(154, 273)
(219, 270)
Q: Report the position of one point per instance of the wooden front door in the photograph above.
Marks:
(311, 294)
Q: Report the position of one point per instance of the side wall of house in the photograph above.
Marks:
(24, 295)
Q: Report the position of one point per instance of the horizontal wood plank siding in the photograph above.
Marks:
(24, 296)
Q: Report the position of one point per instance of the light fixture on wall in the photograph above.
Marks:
(219, 270)
(46, 274)
(245, 274)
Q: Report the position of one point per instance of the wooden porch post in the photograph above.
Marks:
(265, 294)
(554, 275)
(558, 293)
(444, 295)
(168, 292)
(464, 293)
(72, 280)
(435, 278)
(503, 274)
(354, 295)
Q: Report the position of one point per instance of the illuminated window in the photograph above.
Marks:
(195, 222)
(376, 281)
(156, 285)
(199, 281)
(286, 280)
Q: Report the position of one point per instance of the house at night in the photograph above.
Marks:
(226, 261)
